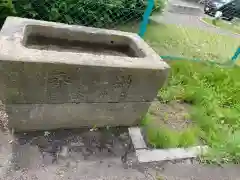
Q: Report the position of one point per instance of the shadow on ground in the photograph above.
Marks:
(43, 148)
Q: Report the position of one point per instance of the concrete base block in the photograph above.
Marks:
(25, 117)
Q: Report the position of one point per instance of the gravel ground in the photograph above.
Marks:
(70, 154)
(93, 155)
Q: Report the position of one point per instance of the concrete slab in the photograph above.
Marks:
(53, 63)
(137, 138)
(155, 155)
(145, 154)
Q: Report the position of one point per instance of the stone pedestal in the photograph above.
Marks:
(55, 75)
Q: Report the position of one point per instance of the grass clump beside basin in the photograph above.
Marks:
(163, 137)
(214, 95)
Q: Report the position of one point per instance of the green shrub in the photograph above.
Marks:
(6, 9)
(159, 5)
(100, 13)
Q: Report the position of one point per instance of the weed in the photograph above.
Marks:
(163, 137)
(160, 178)
(214, 95)
(188, 137)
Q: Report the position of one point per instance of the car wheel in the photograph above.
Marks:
(229, 18)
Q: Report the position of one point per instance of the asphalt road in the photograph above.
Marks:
(189, 20)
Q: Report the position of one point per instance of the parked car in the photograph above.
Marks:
(229, 8)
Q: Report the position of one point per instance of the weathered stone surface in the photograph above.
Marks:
(52, 63)
(49, 116)
(37, 83)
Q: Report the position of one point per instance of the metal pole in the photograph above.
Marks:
(147, 13)
(236, 54)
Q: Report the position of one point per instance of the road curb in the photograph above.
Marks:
(181, 9)
(201, 19)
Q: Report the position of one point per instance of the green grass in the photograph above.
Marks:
(214, 95)
(212, 91)
(234, 27)
(163, 137)
(188, 42)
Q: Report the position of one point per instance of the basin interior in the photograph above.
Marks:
(79, 41)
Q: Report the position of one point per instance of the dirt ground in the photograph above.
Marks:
(77, 155)
(173, 115)
(91, 155)
(57, 152)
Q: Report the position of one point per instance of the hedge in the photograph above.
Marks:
(96, 13)
(6, 9)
